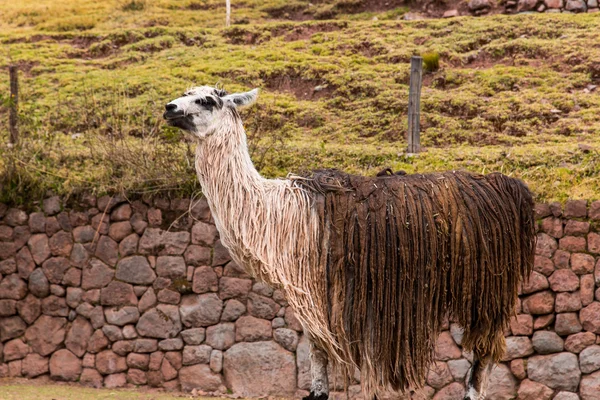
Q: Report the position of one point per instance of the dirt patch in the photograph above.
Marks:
(304, 32)
(302, 89)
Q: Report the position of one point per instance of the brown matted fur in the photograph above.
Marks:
(403, 252)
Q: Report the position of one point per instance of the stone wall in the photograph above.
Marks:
(111, 293)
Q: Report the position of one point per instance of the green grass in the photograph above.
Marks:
(19, 389)
(511, 92)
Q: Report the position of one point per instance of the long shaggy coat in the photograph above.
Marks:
(402, 252)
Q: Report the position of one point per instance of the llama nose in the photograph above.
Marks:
(171, 107)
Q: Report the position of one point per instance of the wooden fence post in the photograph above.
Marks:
(414, 105)
(13, 104)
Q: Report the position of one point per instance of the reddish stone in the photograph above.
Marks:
(454, 391)
(15, 217)
(200, 310)
(572, 243)
(162, 242)
(77, 218)
(590, 317)
(38, 246)
(11, 327)
(55, 268)
(128, 245)
(115, 381)
(72, 277)
(561, 259)
(136, 270)
(251, 329)
(233, 270)
(200, 377)
(121, 213)
(15, 368)
(97, 342)
(15, 350)
(594, 243)
(118, 294)
(8, 308)
(161, 322)
(84, 234)
(576, 209)
(587, 289)
(55, 306)
(262, 307)
(52, 226)
(193, 336)
(234, 287)
(168, 296)
(65, 366)
(221, 336)
(196, 354)
(148, 300)
(445, 348)
(172, 267)
(553, 227)
(568, 302)
(107, 362)
(221, 255)
(530, 390)
(577, 228)
(205, 280)
(38, 283)
(155, 378)
(517, 347)
(204, 234)
(121, 316)
(61, 244)
(439, 375)
(547, 342)
(136, 377)
(233, 310)
(107, 250)
(557, 371)
(554, 4)
(590, 386)
(197, 255)
(123, 347)
(595, 210)
(145, 345)
(139, 361)
(96, 275)
(539, 303)
(154, 217)
(567, 323)
(535, 283)
(89, 360)
(167, 370)
(34, 365)
(522, 325)
(156, 360)
(577, 342)
(79, 336)
(37, 222)
(29, 308)
(546, 245)
(120, 230)
(582, 263)
(517, 367)
(13, 287)
(564, 280)
(46, 334)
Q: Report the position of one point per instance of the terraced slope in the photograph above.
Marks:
(513, 93)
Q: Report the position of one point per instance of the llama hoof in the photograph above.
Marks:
(313, 396)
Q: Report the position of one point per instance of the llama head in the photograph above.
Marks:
(201, 109)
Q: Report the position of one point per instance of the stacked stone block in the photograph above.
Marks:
(112, 293)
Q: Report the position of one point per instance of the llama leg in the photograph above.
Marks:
(319, 388)
(477, 378)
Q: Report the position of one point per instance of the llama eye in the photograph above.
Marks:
(200, 102)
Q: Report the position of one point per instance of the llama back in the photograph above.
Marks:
(407, 251)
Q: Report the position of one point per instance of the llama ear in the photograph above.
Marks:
(242, 99)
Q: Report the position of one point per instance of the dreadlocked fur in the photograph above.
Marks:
(371, 266)
(404, 252)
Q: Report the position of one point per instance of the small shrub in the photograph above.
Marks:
(431, 62)
(134, 5)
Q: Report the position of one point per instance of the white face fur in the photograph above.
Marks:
(200, 109)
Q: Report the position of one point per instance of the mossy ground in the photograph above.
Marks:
(511, 94)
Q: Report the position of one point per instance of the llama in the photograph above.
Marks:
(370, 265)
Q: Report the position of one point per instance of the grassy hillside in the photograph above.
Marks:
(513, 93)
